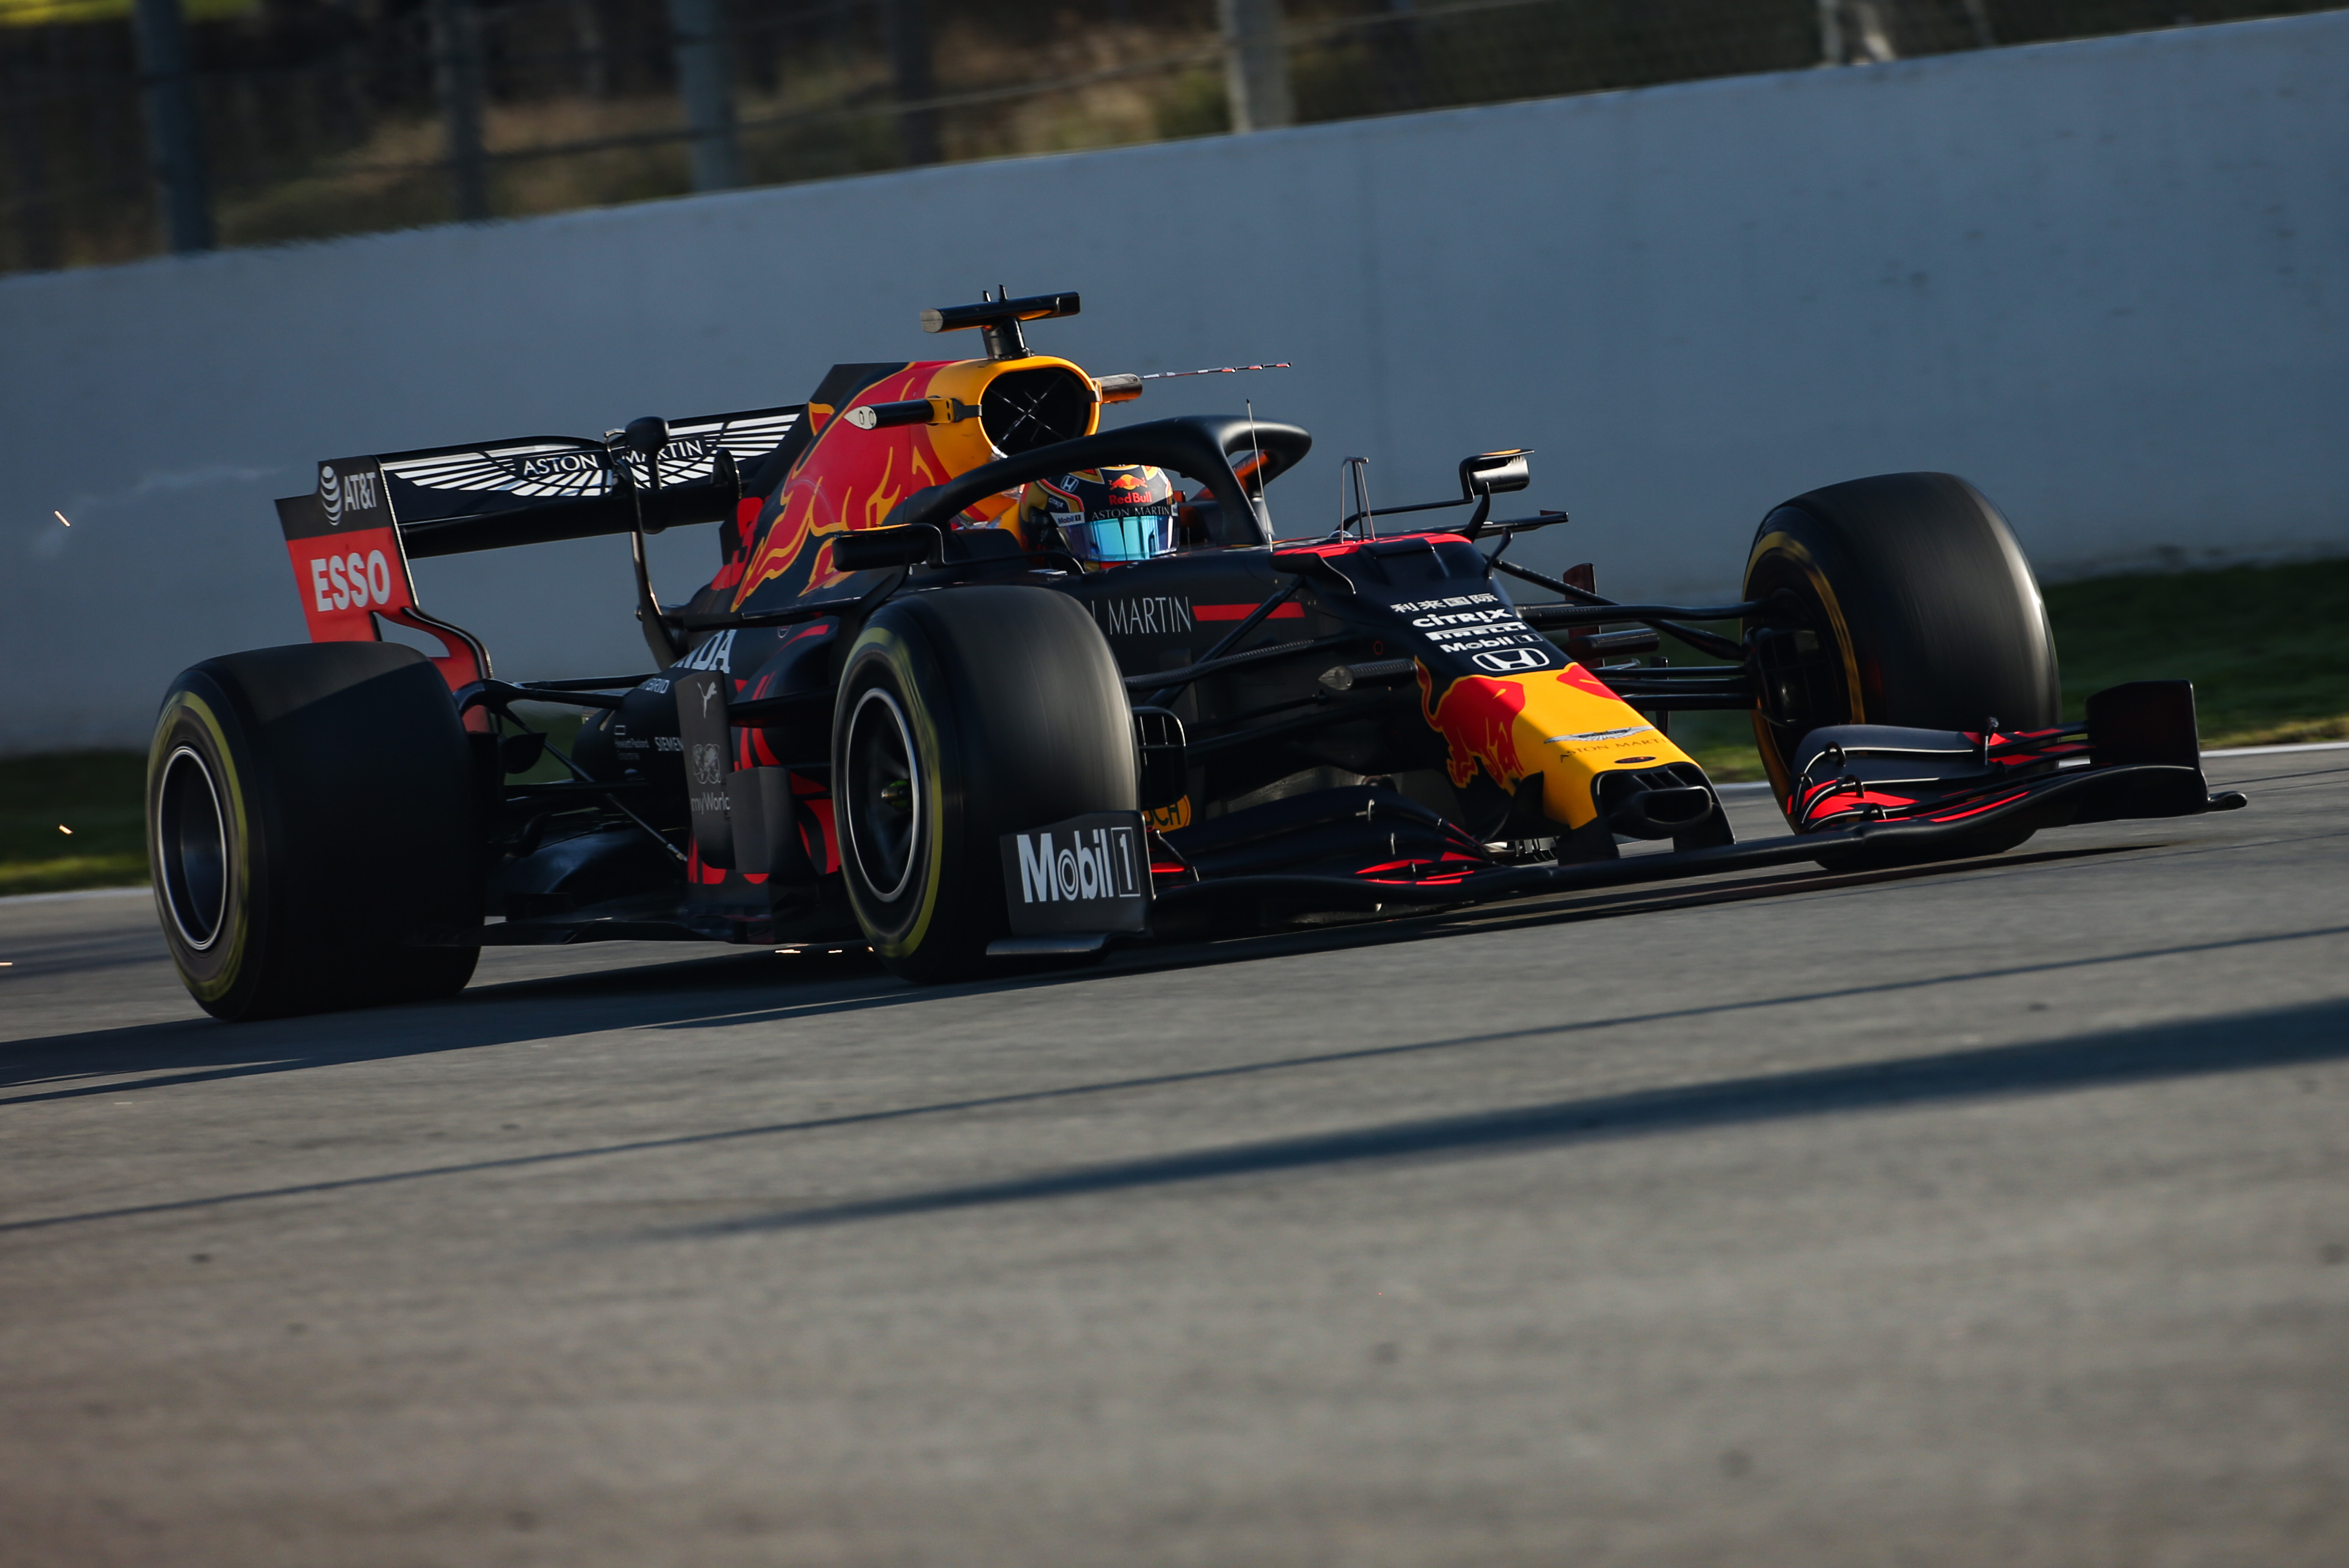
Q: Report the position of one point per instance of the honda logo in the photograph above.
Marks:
(1509, 659)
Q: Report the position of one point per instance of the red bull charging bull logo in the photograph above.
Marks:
(1510, 726)
(1478, 719)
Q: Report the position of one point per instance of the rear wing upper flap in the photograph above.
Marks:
(449, 499)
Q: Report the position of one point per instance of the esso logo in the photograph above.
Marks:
(351, 582)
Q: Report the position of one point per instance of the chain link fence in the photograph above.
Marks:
(129, 127)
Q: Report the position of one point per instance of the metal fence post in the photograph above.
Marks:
(704, 81)
(174, 136)
(38, 238)
(595, 55)
(1978, 13)
(907, 22)
(1851, 31)
(1394, 49)
(457, 79)
(1256, 65)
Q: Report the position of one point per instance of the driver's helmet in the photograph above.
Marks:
(1105, 516)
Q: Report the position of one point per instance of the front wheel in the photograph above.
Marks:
(965, 714)
(311, 815)
(1905, 601)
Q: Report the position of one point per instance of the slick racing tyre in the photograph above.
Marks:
(1907, 602)
(310, 810)
(965, 714)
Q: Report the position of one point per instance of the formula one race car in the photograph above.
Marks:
(977, 681)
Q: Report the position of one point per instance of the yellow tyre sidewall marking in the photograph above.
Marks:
(1781, 783)
(898, 657)
(238, 904)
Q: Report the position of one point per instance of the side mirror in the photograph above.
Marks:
(646, 436)
(1490, 473)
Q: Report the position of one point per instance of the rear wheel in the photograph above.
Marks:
(1910, 603)
(963, 715)
(309, 811)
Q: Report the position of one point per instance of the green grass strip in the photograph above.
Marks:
(72, 819)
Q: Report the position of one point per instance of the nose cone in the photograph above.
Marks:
(1591, 750)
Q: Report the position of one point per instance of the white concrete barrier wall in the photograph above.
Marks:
(2106, 281)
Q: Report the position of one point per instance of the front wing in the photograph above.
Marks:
(2056, 800)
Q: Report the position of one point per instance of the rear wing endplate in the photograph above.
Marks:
(350, 539)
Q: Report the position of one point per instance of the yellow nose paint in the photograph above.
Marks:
(1565, 725)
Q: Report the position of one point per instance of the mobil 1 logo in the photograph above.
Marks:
(1087, 874)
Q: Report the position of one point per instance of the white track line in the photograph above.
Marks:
(2278, 750)
(142, 891)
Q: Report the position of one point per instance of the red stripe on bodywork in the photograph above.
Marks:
(1977, 811)
(821, 810)
(1241, 612)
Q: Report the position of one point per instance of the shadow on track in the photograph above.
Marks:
(1170, 1080)
(757, 988)
(2245, 1042)
(708, 992)
(1532, 914)
(1514, 915)
(200, 1050)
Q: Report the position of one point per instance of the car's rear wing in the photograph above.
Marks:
(445, 500)
(352, 537)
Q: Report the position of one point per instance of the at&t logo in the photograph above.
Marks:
(341, 492)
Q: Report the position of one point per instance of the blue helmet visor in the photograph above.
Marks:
(1116, 537)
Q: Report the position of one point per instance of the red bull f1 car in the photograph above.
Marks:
(977, 681)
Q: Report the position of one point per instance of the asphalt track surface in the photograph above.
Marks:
(1994, 1213)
